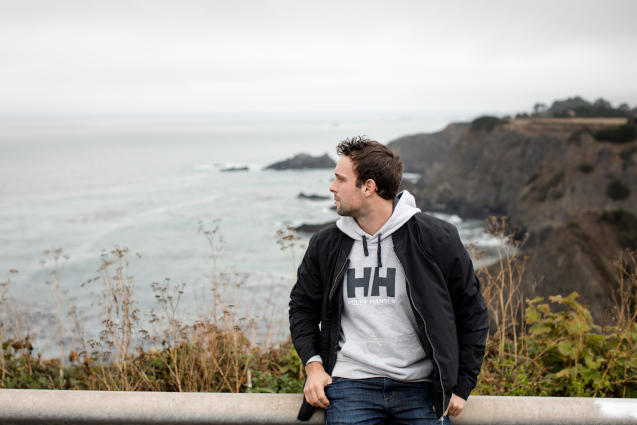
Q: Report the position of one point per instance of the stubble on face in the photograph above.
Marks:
(344, 211)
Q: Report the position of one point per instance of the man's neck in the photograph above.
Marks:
(376, 216)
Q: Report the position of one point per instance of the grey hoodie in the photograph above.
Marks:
(378, 328)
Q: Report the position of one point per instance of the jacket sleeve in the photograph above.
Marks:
(470, 311)
(306, 302)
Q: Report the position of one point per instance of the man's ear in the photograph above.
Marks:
(369, 188)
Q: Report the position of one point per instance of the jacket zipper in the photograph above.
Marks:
(433, 350)
(338, 331)
(337, 277)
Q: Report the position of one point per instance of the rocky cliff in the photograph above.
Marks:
(553, 180)
(425, 153)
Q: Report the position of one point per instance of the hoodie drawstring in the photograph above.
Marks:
(380, 262)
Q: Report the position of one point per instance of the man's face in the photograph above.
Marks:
(348, 198)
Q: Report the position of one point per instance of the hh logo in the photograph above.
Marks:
(388, 282)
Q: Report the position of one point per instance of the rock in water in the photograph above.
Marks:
(234, 169)
(313, 228)
(303, 160)
(312, 197)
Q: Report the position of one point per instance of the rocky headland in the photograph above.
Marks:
(302, 161)
(574, 194)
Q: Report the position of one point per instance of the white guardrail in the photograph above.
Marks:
(112, 407)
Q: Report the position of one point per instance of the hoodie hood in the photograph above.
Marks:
(404, 209)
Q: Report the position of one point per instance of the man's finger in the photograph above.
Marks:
(318, 400)
(310, 396)
(320, 392)
(314, 397)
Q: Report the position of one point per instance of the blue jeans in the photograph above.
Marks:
(380, 401)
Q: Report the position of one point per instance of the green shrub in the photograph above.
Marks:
(557, 352)
(626, 154)
(544, 190)
(562, 354)
(533, 178)
(586, 168)
(619, 134)
(582, 108)
(617, 190)
(286, 376)
(627, 224)
(576, 136)
(485, 123)
(556, 194)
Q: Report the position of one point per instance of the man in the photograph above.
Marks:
(386, 314)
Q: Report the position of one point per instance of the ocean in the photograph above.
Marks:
(88, 185)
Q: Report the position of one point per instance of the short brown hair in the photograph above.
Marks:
(373, 160)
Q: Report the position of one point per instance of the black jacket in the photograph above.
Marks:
(443, 289)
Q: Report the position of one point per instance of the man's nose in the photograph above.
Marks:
(332, 188)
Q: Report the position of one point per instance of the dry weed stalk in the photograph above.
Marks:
(626, 313)
(503, 292)
(13, 323)
(121, 317)
(216, 246)
(54, 257)
(210, 352)
(224, 338)
(288, 242)
(177, 352)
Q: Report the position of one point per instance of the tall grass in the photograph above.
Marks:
(532, 347)
(220, 347)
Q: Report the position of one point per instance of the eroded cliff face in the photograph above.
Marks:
(551, 180)
(539, 179)
(425, 153)
(484, 172)
(577, 256)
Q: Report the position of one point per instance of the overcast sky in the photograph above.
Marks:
(182, 57)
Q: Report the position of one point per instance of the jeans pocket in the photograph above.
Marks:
(335, 379)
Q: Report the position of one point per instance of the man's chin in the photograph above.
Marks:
(343, 212)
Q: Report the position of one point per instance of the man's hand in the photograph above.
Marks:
(455, 406)
(315, 384)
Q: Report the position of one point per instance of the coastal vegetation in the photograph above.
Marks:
(535, 346)
(618, 190)
(626, 223)
(617, 134)
(554, 348)
(578, 107)
(543, 192)
(485, 123)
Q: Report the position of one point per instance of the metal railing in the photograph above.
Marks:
(112, 407)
